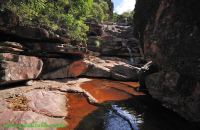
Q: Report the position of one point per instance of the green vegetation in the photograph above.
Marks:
(57, 14)
(99, 12)
(126, 17)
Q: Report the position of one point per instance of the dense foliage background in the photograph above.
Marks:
(56, 14)
(126, 17)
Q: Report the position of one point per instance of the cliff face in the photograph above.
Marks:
(170, 33)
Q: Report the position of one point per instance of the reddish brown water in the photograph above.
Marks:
(78, 108)
(105, 90)
(129, 110)
(102, 90)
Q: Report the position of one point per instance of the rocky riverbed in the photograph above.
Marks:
(46, 79)
(86, 104)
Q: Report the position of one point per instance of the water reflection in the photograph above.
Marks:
(140, 113)
(114, 122)
(131, 117)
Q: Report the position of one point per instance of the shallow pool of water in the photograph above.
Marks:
(140, 113)
(120, 108)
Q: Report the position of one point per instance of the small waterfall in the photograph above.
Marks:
(130, 54)
(124, 43)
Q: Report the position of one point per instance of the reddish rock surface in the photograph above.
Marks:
(47, 102)
(19, 67)
(27, 118)
(77, 68)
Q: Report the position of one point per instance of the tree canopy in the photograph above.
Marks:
(56, 14)
(126, 17)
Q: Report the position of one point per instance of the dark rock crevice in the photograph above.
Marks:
(170, 34)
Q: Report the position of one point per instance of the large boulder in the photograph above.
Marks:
(170, 34)
(114, 68)
(14, 68)
(180, 94)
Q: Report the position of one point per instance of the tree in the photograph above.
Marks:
(99, 12)
(54, 14)
(126, 17)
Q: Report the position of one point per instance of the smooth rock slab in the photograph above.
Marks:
(110, 68)
(15, 68)
(51, 103)
(28, 118)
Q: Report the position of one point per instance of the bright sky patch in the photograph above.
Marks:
(122, 6)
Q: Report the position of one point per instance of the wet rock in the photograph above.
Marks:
(164, 86)
(16, 68)
(28, 118)
(49, 103)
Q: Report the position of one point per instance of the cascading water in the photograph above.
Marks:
(124, 43)
(130, 54)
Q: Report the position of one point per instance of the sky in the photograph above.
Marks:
(122, 6)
